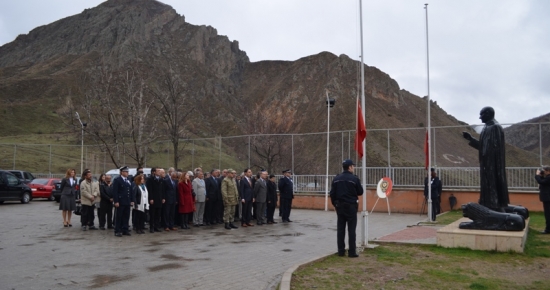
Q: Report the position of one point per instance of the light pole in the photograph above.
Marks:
(330, 104)
(82, 126)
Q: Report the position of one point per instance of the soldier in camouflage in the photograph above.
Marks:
(230, 198)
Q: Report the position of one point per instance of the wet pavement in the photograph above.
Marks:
(37, 252)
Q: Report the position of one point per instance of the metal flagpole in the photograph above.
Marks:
(365, 212)
(428, 121)
(328, 139)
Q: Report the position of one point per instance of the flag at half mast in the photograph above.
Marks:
(360, 131)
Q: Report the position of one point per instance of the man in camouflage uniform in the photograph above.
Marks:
(230, 198)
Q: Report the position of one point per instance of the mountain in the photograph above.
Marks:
(41, 84)
(528, 135)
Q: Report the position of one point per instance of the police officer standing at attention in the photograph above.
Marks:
(124, 198)
(345, 189)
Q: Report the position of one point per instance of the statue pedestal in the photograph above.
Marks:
(451, 236)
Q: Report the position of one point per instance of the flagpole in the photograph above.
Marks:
(428, 121)
(365, 212)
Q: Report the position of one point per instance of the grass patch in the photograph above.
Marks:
(449, 217)
(403, 266)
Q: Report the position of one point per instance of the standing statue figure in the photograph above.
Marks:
(492, 162)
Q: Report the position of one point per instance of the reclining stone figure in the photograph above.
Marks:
(484, 218)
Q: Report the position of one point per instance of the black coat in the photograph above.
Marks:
(271, 193)
(436, 188)
(105, 193)
(544, 187)
(170, 191)
(155, 189)
(123, 192)
(212, 185)
(286, 188)
(246, 191)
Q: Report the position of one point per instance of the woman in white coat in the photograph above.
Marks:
(199, 189)
(142, 204)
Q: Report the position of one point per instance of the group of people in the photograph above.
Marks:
(174, 198)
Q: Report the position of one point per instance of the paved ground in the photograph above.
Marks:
(37, 252)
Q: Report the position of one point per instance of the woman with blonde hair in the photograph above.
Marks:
(68, 197)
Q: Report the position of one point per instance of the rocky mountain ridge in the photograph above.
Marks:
(229, 94)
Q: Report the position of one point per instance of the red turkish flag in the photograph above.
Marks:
(361, 131)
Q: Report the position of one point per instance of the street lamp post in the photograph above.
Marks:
(82, 126)
(330, 104)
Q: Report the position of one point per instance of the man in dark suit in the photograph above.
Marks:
(170, 196)
(106, 204)
(124, 198)
(286, 194)
(212, 192)
(246, 197)
(155, 189)
(260, 196)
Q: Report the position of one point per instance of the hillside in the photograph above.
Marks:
(53, 71)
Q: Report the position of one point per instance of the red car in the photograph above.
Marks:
(43, 187)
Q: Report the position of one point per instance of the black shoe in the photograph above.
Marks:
(102, 228)
(84, 228)
(110, 228)
(545, 232)
(118, 235)
(126, 234)
(289, 221)
(92, 228)
(233, 226)
(353, 255)
(341, 254)
(157, 230)
(152, 231)
(227, 227)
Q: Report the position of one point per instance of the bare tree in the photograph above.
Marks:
(116, 106)
(173, 104)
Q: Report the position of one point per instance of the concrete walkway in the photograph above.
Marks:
(37, 252)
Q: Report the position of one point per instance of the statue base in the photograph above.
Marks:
(451, 236)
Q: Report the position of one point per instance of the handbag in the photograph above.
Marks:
(78, 209)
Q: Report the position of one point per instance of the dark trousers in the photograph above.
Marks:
(286, 206)
(209, 212)
(154, 216)
(122, 219)
(270, 212)
(87, 216)
(347, 214)
(105, 214)
(546, 207)
(247, 212)
(168, 212)
(218, 208)
(140, 217)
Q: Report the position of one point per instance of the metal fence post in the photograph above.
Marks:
(193, 155)
(388, 134)
(540, 143)
(292, 153)
(50, 163)
(220, 156)
(249, 152)
(14, 153)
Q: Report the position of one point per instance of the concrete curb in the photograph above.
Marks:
(287, 275)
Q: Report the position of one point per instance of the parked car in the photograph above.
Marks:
(56, 192)
(13, 189)
(24, 176)
(43, 187)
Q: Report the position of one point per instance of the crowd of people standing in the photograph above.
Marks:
(172, 199)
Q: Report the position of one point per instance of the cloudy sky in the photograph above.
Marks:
(482, 53)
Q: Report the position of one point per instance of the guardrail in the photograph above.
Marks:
(519, 178)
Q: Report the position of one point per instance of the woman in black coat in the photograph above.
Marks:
(543, 178)
(68, 197)
(271, 200)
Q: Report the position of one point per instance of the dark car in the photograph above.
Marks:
(13, 189)
(24, 176)
(43, 187)
(56, 192)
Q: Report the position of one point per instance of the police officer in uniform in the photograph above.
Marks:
(124, 198)
(345, 189)
(286, 194)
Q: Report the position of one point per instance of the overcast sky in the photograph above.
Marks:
(482, 53)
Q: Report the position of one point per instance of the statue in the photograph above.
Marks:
(486, 219)
(491, 146)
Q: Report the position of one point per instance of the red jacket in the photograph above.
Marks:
(185, 194)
